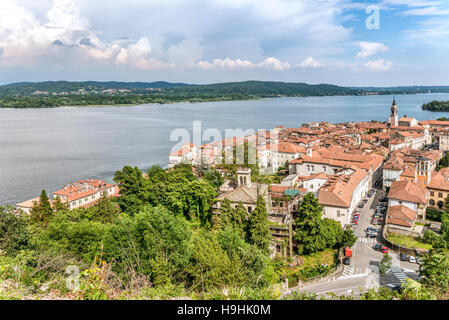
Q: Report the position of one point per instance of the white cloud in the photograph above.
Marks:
(310, 63)
(378, 65)
(227, 63)
(371, 48)
(27, 41)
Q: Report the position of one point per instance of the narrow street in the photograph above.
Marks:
(363, 272)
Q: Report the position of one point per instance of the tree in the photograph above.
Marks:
(239, 219)
(14, 234)
(59, 206)
(258, 230)
(225, 217)
(385, 263)
(214, 177)
(132, 189)
(104, 210)
(435, 270)
(348, 237)
(309, 226)
(332, 233)
(41, 211)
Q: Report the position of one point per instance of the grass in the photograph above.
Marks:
(315, 259)
(408, 241)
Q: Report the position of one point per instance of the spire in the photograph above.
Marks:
(394, 101)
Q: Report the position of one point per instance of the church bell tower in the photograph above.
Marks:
(394, 114)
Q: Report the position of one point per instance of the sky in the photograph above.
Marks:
(343, 42)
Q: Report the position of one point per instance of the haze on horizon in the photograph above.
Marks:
(210, 41)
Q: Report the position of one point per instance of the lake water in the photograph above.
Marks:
(48, 148)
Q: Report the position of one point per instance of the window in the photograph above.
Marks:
(432, 193)
(440, 195)
(281, 204)
(273, 204)
(250, 209)
(338, 213)
(432, 202)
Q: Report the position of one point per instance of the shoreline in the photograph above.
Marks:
(221, 100)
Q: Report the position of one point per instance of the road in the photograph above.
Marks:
(363, 273)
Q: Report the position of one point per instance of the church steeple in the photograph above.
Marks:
(394, 114)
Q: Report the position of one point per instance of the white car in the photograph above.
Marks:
(419, 260)
(411, 259)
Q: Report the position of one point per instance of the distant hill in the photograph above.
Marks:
(404, 89)
(88, 93)
(25, 88)
(269, 89)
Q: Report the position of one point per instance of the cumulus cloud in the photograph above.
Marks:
(227, 63)
(378, 65)
(371, 48)
(310, 63)
(26, 40)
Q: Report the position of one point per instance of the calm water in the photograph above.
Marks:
(47, 148)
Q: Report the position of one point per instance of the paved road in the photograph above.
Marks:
(363, 273)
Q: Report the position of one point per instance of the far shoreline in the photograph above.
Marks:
(220, 100)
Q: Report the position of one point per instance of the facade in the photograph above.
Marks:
(438, 188)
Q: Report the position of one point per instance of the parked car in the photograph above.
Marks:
(346, 261)
(418, 260)
(411, 259)
(371, 235)
(384, 249)
(377, 247)
(361, 205)
(372, 230)
(403, 257)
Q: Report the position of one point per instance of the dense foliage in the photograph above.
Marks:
(435, 105)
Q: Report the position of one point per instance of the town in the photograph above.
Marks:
(378, 179)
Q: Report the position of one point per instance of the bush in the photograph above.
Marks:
(433, 214)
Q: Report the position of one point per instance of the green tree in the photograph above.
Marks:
(225, 217)
(348, 237)
(133, 191)
(59, 206)
(309, 226)
(41, 211)
(104, 210)
(258, 230)
(385, 263)
(435, 270)
(14, 234)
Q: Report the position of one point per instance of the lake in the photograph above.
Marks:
(48, 148)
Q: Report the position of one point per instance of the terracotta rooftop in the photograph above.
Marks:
(401, 215)
(408, 191)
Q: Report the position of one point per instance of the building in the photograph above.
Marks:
(443, 144)
(84, 193)
(340, 195)
(409, 194)
(80, 194)
(438, 188)
(242, 190)
(394, 115)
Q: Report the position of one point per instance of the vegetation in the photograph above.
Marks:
(433, 214)
(444, 162)
(435, 105)
(408, 241)
(385, 263)
(313, 233)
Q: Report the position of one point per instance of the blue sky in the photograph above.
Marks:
(208, 41)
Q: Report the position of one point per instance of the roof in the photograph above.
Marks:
(244, 194)
(401, 215)
(408, 191)
(29, 203)
(338, 191)
(440, 180)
